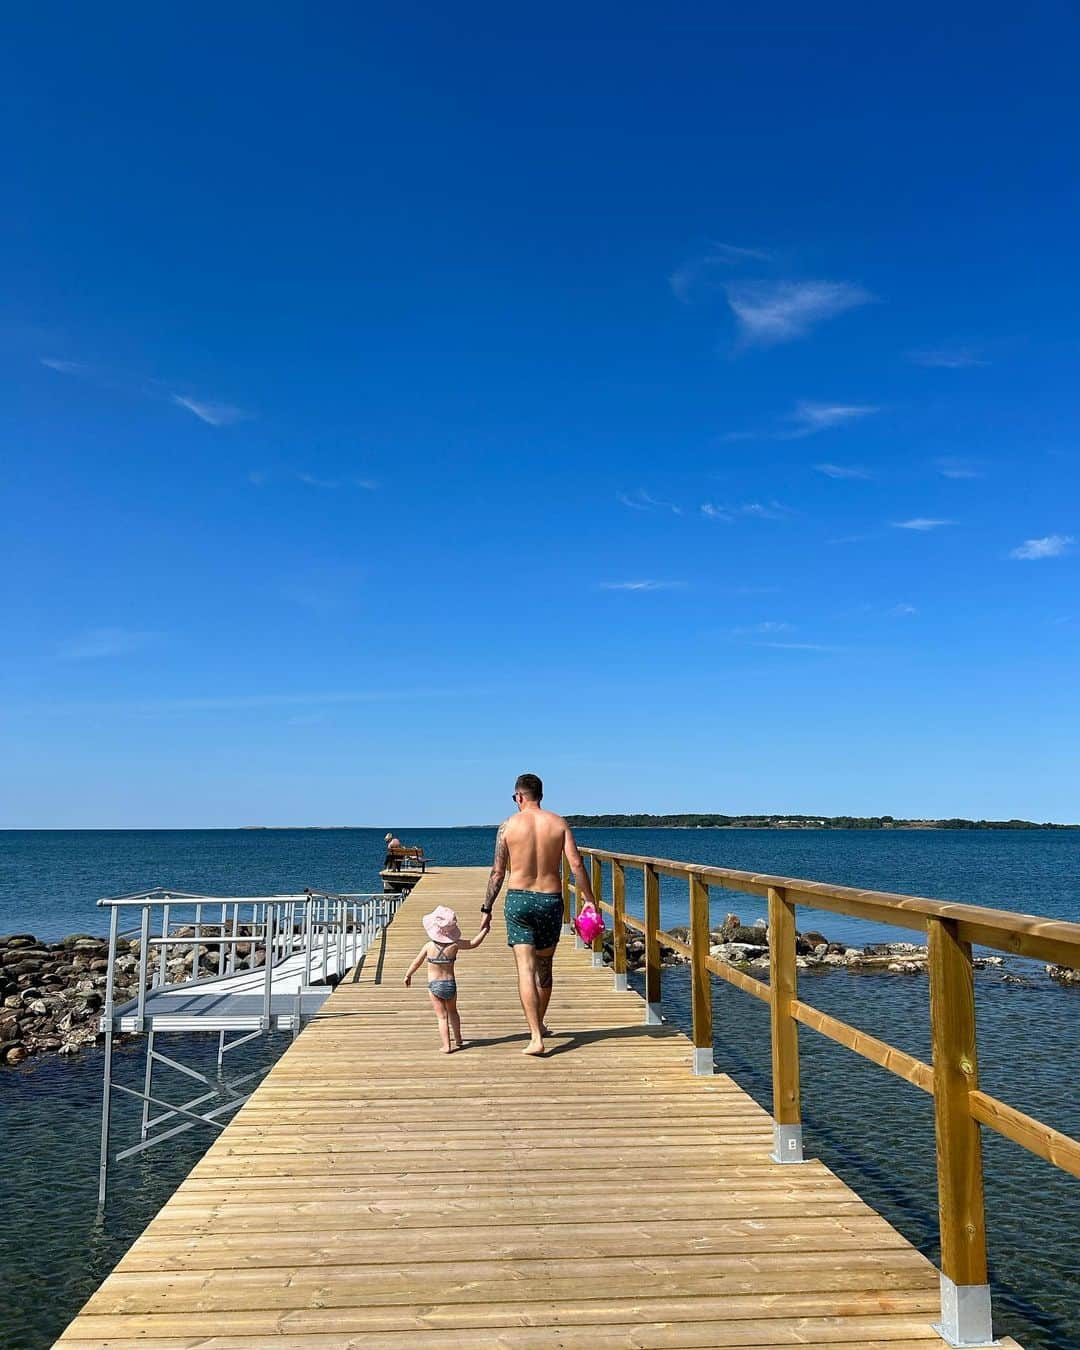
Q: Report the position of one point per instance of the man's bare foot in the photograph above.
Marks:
(448, 1049)
(535, 1047)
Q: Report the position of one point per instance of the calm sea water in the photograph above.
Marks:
(874, 1130)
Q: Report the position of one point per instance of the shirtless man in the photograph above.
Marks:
(531, 844)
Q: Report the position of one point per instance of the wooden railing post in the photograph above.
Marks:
(652, 945)
(618, 926)
(567, 913)
(783, 977)
(965, 1290)
(701, 987)
(597, 879)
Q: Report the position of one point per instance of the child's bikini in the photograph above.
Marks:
(444, 988)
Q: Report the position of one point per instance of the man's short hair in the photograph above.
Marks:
(529, 786)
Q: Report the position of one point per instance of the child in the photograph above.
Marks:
(441, 926)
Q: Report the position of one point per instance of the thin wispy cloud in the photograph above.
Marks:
(256, 477)
(770, 312)
(700, 275)
(368, 484)
(64, 367)
(809, 417)
(957, 468)
(947, 358)
(214, 414)
(766, 626)
(1051, 546)
(765, 511)
(244, 701)
(100, 643)
(903, 609)
(641, 585)
(311, 481)
(642, 501)
(923, 523)
(843, 471)
(797, 646)
(772, 510)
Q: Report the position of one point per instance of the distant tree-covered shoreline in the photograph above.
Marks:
(711, 821)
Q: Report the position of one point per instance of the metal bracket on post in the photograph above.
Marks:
(703, 1061)
(622, 984)
(787, 1144)
(653, 1015)
(965, 1314)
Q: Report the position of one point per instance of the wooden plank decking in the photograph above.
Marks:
(375, 1192)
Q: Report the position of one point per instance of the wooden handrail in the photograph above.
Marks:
(960, 1107)
(1020, 934)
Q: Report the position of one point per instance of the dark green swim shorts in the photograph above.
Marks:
(533, 917)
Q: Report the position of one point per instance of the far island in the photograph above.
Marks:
(636, 820)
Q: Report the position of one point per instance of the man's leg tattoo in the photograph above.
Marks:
(543, 970)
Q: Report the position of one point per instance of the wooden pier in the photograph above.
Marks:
(376, 1192)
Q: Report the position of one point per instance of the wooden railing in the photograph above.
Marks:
(960, 1107)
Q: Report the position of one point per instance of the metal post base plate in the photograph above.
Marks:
(621, 984)
(598, 960)
(653, 1016)
(965, 1314)
(787, 1144)
(703, 1061)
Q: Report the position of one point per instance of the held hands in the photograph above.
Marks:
(408, 981)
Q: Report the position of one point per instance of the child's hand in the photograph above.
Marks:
(408, 981)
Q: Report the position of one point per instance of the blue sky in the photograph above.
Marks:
(677, 402)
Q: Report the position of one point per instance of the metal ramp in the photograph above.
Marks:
(247, 965)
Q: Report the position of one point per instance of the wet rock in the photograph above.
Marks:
(15, 1054)
(754, 936)
(1064, 974)
(735, 953)
(21, 940)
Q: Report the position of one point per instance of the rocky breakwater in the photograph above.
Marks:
(52, 994)
(748, 949)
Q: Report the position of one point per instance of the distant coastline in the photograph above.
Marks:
(708, 821)
(716, 822)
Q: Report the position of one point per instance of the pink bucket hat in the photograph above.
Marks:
(441, 925)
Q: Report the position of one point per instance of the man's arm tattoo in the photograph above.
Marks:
(498, 871)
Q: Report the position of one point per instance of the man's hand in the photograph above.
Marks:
(485, 920)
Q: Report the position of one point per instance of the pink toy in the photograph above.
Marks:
(589, 924)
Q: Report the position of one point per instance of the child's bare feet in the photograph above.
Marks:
(535, 1047)
(448, 1049)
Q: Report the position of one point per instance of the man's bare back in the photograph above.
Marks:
(536, 841)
